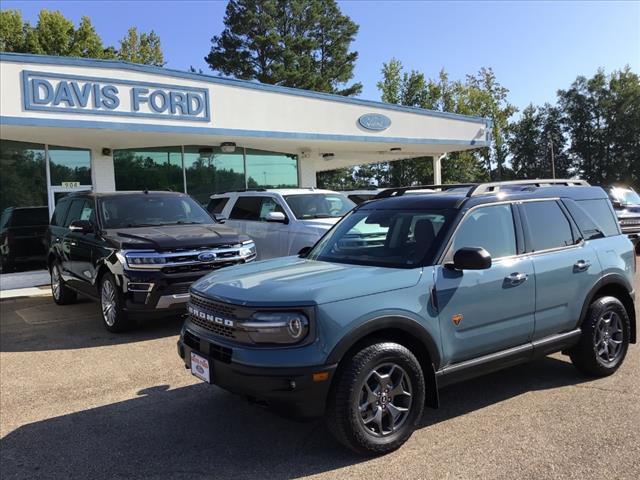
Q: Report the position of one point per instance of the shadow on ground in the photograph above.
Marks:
(199, 431)
(37, 324)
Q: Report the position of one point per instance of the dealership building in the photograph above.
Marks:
(73, 124)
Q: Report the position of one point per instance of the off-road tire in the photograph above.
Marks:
(343, 416)
(585, 355)
(61, 294)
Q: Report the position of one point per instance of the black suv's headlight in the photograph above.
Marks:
(276, 327)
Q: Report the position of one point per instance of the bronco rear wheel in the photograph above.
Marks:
(377, 399)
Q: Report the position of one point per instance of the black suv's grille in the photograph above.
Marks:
(215, 308)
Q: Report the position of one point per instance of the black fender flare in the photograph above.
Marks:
(607, 280)
(396, 322)
(407, 326)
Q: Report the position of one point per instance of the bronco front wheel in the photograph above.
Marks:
(377, 399)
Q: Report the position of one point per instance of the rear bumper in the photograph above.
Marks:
(288, 391)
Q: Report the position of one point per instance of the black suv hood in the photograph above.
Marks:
(170, 237)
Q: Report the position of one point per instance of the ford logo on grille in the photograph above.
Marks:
(207, 257)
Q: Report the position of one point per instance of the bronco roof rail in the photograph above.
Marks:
(398, 191)
(494, 187)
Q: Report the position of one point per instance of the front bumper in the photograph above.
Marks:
(154, 292)
(291, 392)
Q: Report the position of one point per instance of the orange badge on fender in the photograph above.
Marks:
(457, 318)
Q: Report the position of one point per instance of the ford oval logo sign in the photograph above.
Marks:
(374, 121)
(207, 257)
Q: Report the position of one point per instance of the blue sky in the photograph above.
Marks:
(535, 48)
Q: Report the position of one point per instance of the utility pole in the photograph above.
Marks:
(553, 162)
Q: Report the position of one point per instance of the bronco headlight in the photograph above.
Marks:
(276, 327)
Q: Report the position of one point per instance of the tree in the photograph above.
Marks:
(12, 35)
(86, 41)
(56, 35)
(144, 48)
(601, 116)
(293, 43)
(533, 139)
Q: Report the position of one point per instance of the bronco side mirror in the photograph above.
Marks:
(304, 251)
(219, 218)
(471, 258)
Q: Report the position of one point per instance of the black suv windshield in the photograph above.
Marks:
(144, 210)
(385, 238)
(319, 205)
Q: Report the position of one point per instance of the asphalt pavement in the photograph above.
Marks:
(79, 402)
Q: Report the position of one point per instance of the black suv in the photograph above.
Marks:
(136, 252)
(22, 234)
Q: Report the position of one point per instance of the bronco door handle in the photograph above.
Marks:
(582, 265)
(516, 279)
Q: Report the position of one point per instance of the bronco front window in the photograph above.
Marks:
(386, 238)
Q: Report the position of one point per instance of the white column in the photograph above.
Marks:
(437, 169)
(306, 171)
(102, 172)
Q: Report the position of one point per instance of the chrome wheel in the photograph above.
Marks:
(55, 282)
(385, 399)
(108, 302)
(608, 337)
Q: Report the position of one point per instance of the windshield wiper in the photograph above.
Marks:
(181, 222)
(136, 225)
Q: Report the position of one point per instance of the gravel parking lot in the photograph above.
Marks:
(78, 402)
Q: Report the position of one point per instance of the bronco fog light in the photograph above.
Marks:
(276, 327)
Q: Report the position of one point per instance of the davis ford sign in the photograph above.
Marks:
(53, 92)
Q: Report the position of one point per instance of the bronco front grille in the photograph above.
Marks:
(213, 306)
(216, 309)
(220, 330)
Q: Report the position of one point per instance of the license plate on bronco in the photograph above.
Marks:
(200, 367)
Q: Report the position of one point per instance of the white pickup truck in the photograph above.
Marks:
(280, 221)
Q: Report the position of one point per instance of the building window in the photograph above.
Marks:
(271, 169)
(208, 170)
(23, 182)
(69, 165)
(158, 168)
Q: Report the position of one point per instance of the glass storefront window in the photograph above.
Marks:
(271, 170)
(23, 204)
(23, 182)
(69, 165)
(209, 170)
(158, 168)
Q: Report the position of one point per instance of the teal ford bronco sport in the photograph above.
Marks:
(409, 293)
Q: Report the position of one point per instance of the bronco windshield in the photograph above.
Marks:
(385, 238)
(150, 210)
